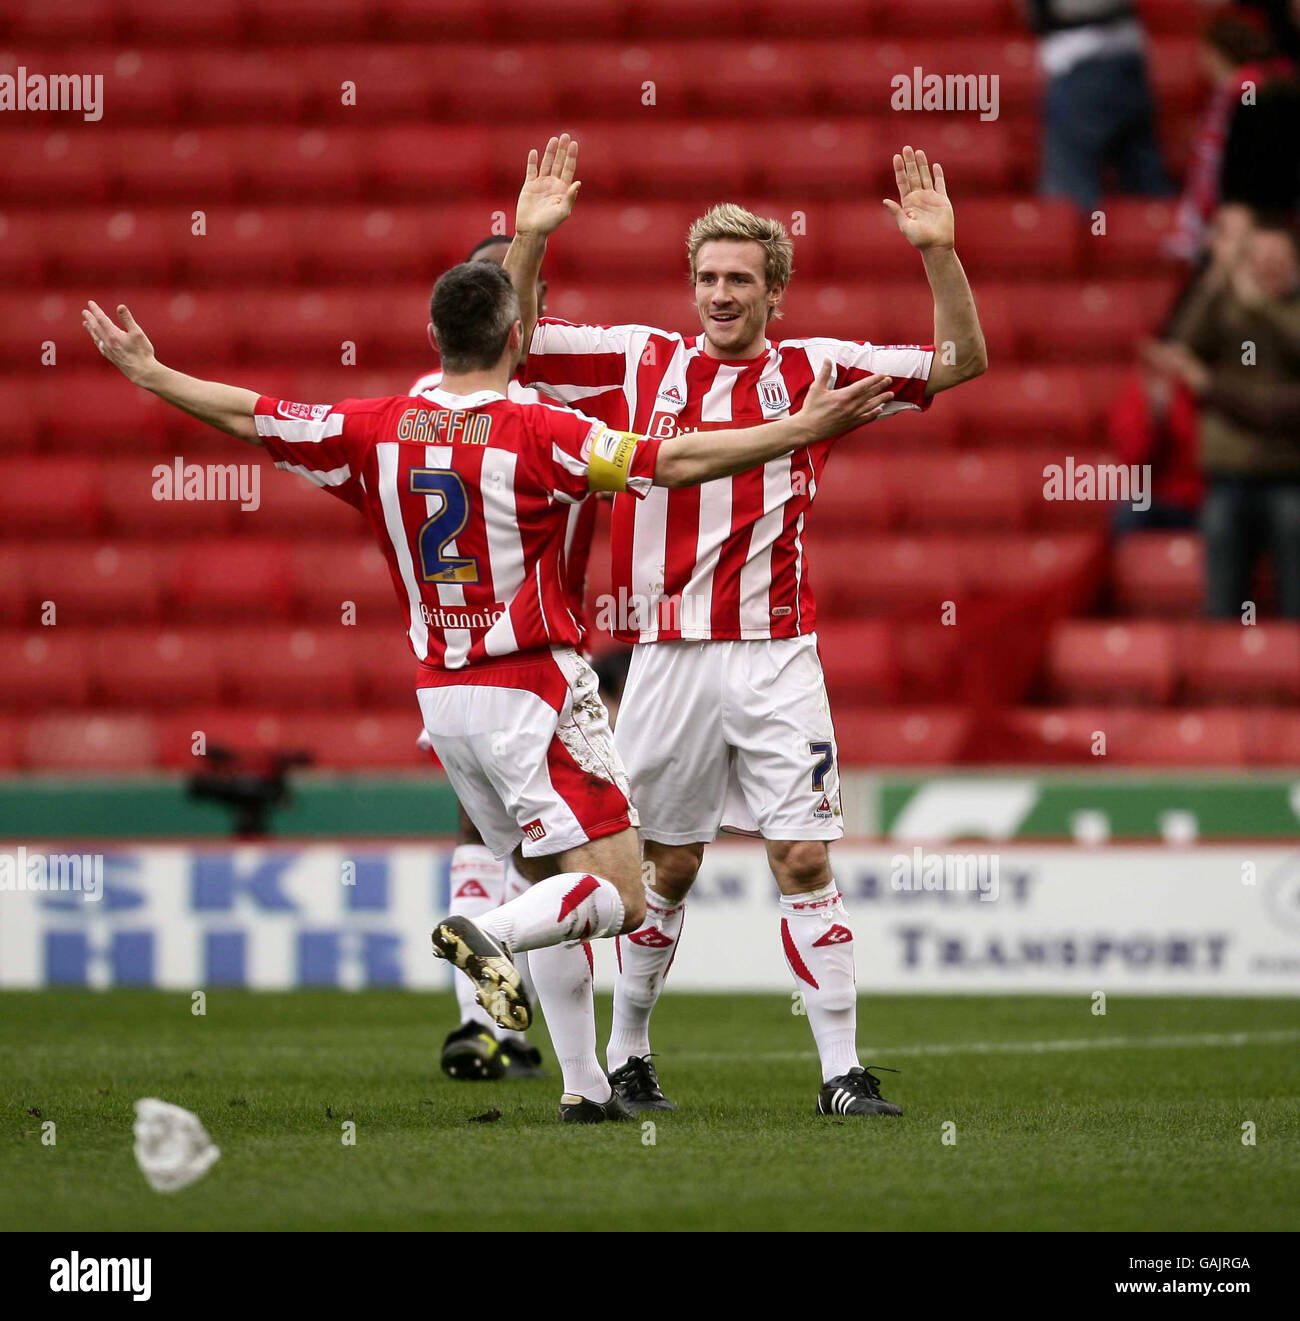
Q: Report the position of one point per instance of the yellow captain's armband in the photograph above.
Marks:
(611, 460)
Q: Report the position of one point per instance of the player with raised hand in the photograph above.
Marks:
(467, 494)
(725, 721)
(476, 1050)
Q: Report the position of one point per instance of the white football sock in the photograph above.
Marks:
(563, 977)
(644, 958)
(515, 885)
(571, 906)
(818, 944)
(477, 887)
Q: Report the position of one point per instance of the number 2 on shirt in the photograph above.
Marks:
(435, 565)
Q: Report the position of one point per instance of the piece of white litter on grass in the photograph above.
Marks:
(172, 1147)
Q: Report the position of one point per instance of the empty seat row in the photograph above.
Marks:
(464, 80)
(1117, 661)
(77, 741)
(196, 580)
(329, 665)
(228, 21)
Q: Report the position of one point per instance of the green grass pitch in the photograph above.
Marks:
(1063, 1119)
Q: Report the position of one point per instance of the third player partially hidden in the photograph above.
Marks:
(724, 721)
(467, 494)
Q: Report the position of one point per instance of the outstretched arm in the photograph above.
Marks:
(226, 407)
(700, 456)
(925, 217)
(545, 203)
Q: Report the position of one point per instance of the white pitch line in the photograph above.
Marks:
(1279, 1036)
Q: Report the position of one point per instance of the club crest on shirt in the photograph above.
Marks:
(772, 395)
(302, 412)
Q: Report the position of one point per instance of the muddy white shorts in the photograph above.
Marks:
(730, 734)
(527, 747)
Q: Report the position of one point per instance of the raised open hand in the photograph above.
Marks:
(550, 190)
(128, 350)
(923, 211)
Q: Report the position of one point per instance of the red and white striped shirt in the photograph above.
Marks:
(723, 560)
(468, 497)
(581, 527)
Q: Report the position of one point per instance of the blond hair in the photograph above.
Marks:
(728, 220)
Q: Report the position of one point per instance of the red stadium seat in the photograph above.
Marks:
(1226, 661)
(645, 238)
(1094, 321)
(95, 410)
(419, 161)
(1135, 229)
(151, 668)
(141, 85)
(94, 582)
(253, 84)
(327, 575)
(287, 666)
(364, 243)
(118, 246)
(857, 496)
(231, 580)
(1001, 564)
(25, 249)
(685, 158)
(362, 740)
(49, 495)
(291, 505)
(252, 244)
(590, 18)
(89, 742)
(1033, 405)
(860, 660)
(807, 158)
(325, 20)
(76, 20)
(986, 489)
(52, 164)
(453, 20)
(732, 73)
(901, 736)
(192, 167)
(901, 575)
(1014, 236)
(1205, 737)
(722, 18)
(614, 80)
(45, 667)
(1159, 573)
(1273, 737)
(188, 737)
(139, 500)
(664, 304)
(13, 588)
(216, 21)
(10, 742)
(1109, 661)
(288, 164)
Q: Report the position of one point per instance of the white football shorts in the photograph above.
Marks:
(731, 735)
(528, 749)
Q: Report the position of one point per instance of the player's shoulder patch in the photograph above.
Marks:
(302, 412)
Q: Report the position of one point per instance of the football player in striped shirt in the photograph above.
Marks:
(725, 721)
(467, 494)
(476, 1050)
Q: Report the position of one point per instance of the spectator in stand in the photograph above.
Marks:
(1237, 349)
(1247, 145)
(1098, 109)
